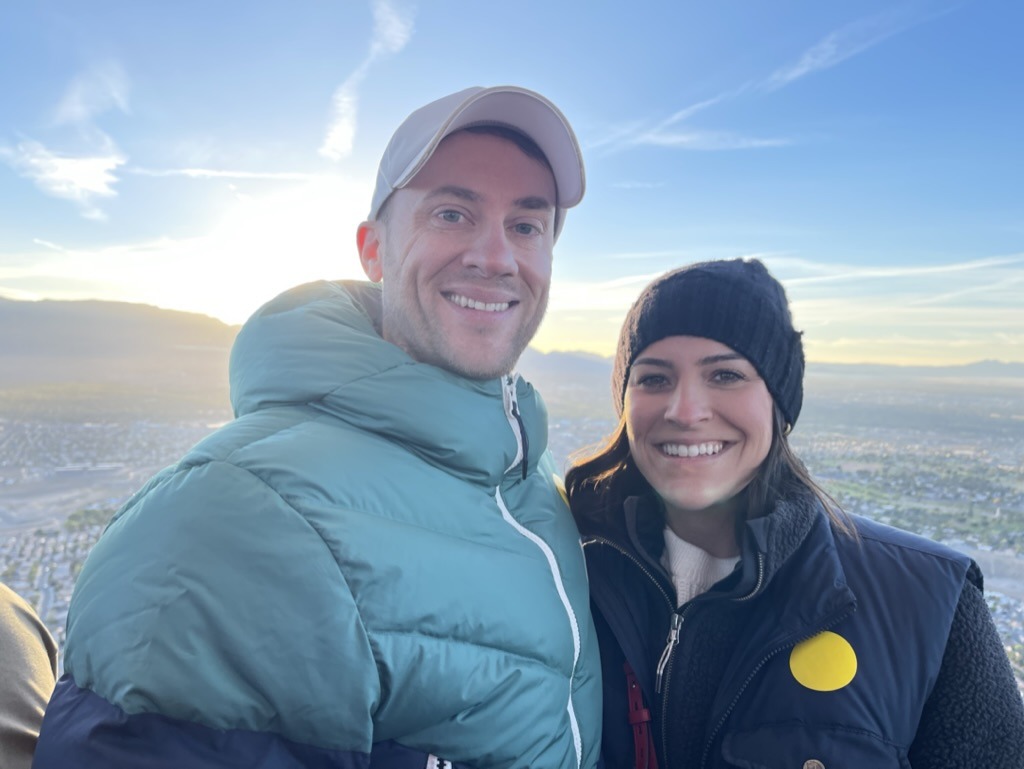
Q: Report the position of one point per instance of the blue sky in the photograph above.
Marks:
(205, 156)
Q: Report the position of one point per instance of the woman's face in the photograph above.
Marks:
(699, 423)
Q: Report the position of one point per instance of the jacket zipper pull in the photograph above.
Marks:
(670, 644)
(522, 437)
(516, 420)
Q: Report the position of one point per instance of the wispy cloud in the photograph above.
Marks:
(845, 43)
(214, 173)
(955, 312)
(911, 313)
(836, 47)
(89, 173)
(50, 245)
(665, 134)
(80, 179)
(91, 93)
(835, 273)
(392, 29)
(1007, 284)
(636, 185)
(617, 136)
(707, 140)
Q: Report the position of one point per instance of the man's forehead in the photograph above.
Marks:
(461, 156)
(456, 143)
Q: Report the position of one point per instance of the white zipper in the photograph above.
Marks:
(508, 393)
(511, 409)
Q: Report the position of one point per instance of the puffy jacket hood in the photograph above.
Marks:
(318, 344)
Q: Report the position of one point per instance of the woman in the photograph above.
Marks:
(744, 619)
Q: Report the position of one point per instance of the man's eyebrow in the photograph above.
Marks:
(453, 190)
(530, 202)
(534, 203)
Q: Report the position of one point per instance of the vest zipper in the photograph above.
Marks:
(760, 580)
(636, 561)
(677, 617)
(670, 644)
(673, 634)
(664, 669)
(753, 673)
(673, 642)
(677, 621)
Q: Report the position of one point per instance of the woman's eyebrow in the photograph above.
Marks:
(711, 359)
(705, 361)
(652, 362)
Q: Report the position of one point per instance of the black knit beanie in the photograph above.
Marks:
(736, 302)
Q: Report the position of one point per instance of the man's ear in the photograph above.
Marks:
(368, 241)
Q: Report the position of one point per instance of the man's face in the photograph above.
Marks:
(465, 255)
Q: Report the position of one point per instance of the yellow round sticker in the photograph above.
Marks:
(824, 663)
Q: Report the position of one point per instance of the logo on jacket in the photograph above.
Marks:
(824, 663)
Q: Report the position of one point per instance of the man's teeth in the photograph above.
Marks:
(696, 450)
(465, 301)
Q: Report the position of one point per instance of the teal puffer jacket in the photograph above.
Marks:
(357, 563)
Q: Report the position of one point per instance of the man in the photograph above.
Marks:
(373, 564)
(28, 666)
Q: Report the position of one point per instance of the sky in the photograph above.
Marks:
(206, 156)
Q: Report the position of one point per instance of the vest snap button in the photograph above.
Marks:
(813, 763)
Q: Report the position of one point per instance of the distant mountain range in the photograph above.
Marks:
(982, 369)
(52, 342)
(139, 347)
(111, 360)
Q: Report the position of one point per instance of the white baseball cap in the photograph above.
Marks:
(523, 110)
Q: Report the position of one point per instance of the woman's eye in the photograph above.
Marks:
(651, 380)
(727, 376)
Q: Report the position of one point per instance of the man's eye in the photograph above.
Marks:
(525, 228)
(454, 217)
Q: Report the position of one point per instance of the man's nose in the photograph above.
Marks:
(492, 252)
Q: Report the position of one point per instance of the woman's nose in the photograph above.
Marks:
(689, 404)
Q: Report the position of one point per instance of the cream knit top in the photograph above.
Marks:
(693, 570)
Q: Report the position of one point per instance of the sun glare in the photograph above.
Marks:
(262, 247)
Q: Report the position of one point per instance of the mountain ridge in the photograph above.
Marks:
(96, 340)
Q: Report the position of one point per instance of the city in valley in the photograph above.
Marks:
(936, 451)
